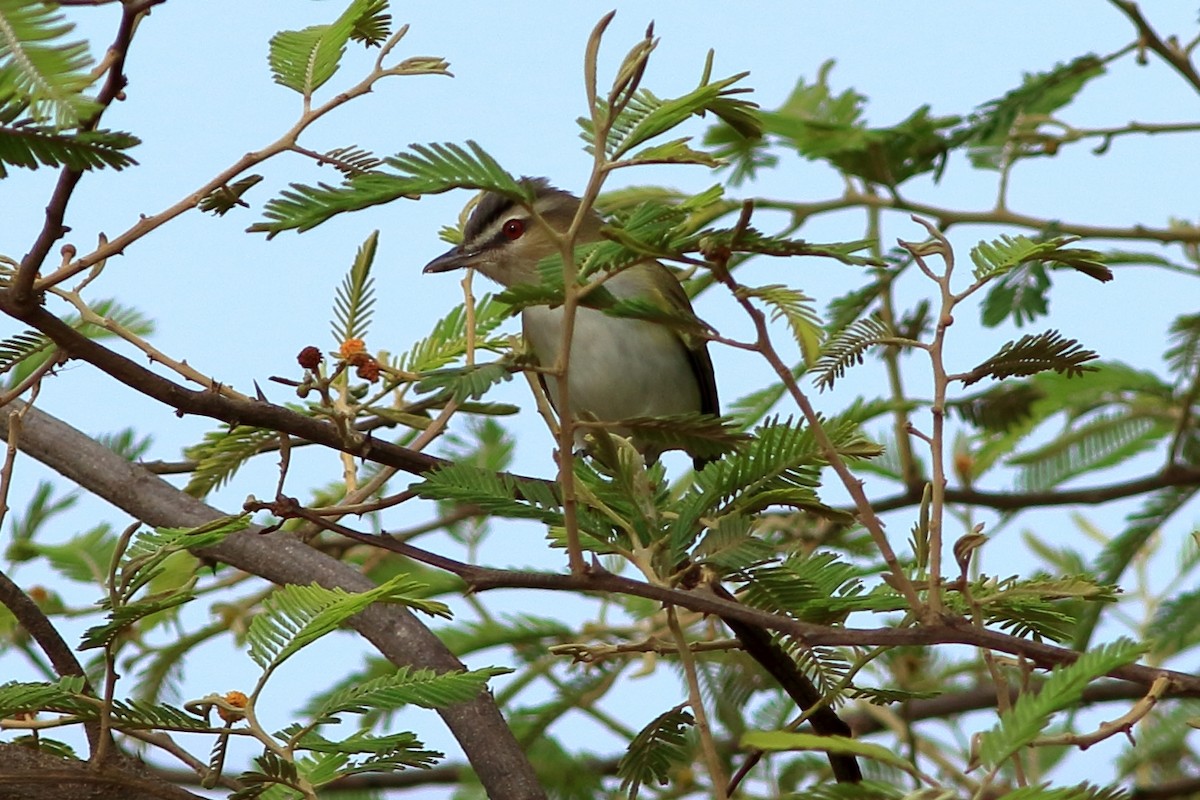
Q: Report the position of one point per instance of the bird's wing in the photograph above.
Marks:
(652, 280)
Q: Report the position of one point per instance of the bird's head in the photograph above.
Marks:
(505, 240)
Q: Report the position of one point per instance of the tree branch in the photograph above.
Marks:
(495, 755)
(53, 228)
(1172, 475)
(1176, 58)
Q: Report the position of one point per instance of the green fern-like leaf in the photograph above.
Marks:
(1000, 256)
(469, 382)
(223, 199)
(1020, 293)
(846, 348)
(272, 772)
(374, 25)
(1001, 408)
(817, 588)
(126, 615)
(1102, 441)
(139, 715)
(22, 346)
(222, 453)
(1081, 791)
(355, 298)
(1031, 713)
(150, 548)
(494, 493)
(406, 686)
(796, 308)
(512, 630)
(750, 409)
(1122, 549)
(30, 146)
(295, 616)
(646, 116)
(22, 354)
(1040, 94)
(772, 741)
(1040, 607)
(1183, 356)
(357, 743)
(63, 695)
(661, 745)
(448, 339)
(1032, 354)
(425, 169)
(304, 60)
(702, 435)
(352, 160)
(40, 69)
(779, 465)
(1176, 624)
(752, 241)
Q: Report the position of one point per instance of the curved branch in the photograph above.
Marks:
(947, 217)
(943, 630)
(1173, 475)
(39, 627)
(494, 753)
(56, 210)
(1174, 56)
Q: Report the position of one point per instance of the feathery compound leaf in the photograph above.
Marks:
(1040, 94)
(498, 494)
(25, 352)
(406, 686)
(304, 60)
(1100, 442)
(224, 199)
(29, 146)
(702, 435)
(466, 383)
(646, 116)
(150, 548)
(425, 169)
(122, 618)
(780, 465)
(846, 348)
(999, 256)
(1081, 791)
(351, 160)
(1031, 713)
(658, 747)
(1032, 354)
(1183, 356)
(64, 695)
(773, 741)
(222, 454)
(21, 346)
(39, 69)
(135, 714)
(352, 306)
(374, 25)
(796, 308)
(448, 339)
(296, 616)
(751, 240)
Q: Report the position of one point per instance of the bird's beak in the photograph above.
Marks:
(454, 258)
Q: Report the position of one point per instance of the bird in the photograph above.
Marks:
(620, 368)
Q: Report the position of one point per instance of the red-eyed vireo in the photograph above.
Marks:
(619, 368)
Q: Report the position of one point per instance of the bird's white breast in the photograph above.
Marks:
(619, 368)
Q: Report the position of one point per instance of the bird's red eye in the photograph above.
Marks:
(513, 229)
